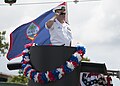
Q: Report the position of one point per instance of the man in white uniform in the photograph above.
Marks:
(60, 33)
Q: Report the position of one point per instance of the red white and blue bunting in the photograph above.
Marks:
(53, 75)
(94, 79)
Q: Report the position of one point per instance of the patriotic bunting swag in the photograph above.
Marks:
(94, 79)
(53, 75)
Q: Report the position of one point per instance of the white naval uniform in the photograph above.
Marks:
(60, 34)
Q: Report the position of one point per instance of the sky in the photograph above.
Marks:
(94, 24)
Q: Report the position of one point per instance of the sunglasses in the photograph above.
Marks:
(62, 13)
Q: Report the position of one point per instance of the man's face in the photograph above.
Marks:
(62, 13)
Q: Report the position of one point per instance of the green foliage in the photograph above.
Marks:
(85, 59)
(19, 79)
(3, 44)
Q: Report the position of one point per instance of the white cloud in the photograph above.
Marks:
(101, 25)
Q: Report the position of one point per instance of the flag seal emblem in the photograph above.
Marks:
(32, 31)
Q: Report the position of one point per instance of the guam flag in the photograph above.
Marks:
(33, 31)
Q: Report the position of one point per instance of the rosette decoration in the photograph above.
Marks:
(52, 75)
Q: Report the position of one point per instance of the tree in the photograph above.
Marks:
(20, 79)
(85, 59)
(3, 44)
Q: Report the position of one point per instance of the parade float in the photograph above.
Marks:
(54, 66)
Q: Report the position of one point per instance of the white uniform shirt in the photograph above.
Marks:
(60, 34)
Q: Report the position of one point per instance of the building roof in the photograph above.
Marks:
(4, 75)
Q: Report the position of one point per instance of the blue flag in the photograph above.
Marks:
(33, 31)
